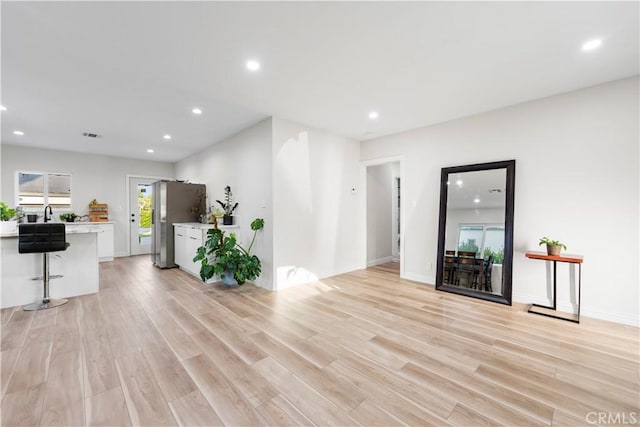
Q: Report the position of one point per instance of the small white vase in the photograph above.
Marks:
(8, 227)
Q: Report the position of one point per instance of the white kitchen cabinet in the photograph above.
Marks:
(105, 235)
(105, 242)
(187, 240)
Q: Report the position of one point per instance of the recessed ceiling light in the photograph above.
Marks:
(167, 136)
(18, 132)
(253, 65)
(374, 115)
(197, 111)
(150, 150)
(459, 183)
(476, 200)
(591, 44)
(3, 108)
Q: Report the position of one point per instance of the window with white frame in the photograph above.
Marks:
(483, 239)
(39, 189)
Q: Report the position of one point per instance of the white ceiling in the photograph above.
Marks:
(465, 187)
(132, 71)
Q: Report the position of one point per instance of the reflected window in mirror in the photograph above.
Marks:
(475, 237)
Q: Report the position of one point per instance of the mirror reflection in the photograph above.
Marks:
(475, 230)
(475, 235)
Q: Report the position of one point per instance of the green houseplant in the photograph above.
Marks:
(553, 246)
(6, 213)
(8, 222)
(228, 206)
(222, 256)
(68, 217)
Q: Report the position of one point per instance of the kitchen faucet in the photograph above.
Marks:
(47, 217)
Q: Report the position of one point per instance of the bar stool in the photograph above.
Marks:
(43, 238)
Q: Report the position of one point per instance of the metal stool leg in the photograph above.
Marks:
(46, 301)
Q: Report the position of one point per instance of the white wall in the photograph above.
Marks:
(577, 162)
(379, 214)
(92, 177)
(316, 229)
(242, 161)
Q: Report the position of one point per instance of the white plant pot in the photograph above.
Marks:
(8, 227)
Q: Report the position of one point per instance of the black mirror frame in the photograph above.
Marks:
(505, 298)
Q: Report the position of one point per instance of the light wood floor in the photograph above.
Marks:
(157, 347)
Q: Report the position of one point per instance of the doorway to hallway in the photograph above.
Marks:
(384, 215)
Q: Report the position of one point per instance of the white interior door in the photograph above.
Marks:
(141, 210)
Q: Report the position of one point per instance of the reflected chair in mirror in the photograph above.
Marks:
(43, 238)
(467, 270)
(486, 274)
(467, 254)
(449, 268)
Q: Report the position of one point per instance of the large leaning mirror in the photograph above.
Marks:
(475, 237)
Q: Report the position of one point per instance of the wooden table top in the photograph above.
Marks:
(576, 259)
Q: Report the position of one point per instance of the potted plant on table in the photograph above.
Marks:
(227, 206)
(553, 246)
(68, 217)
(222, 256)
(8, 223)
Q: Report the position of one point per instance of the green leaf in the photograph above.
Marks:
(257, 224)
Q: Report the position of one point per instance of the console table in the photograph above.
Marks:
(544, 310)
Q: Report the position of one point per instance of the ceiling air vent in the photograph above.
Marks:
(90, 135)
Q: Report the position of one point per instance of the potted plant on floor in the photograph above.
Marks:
(222, 256)
(553, 246)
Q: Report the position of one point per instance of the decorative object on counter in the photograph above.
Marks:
(32, 218)
(68, 217)
(228, 206)
(218, 213)
(222, 256)
(98, 212)
(553, 246)
(213, 217)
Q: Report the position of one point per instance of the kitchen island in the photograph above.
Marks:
(78, 265)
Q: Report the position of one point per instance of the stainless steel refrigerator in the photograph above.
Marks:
(173, 202)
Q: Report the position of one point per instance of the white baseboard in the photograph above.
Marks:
(264, 284)
(417, 278)
(122, 254)
(584, 310)
(378, 261)
(611, 317)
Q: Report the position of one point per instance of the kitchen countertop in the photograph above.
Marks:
(83, 231)
(89, 223)
(71, 228)
(202, 226)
